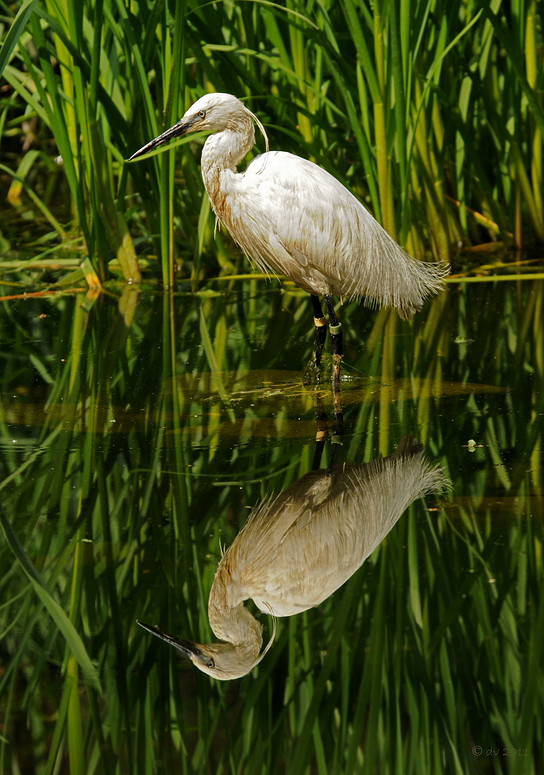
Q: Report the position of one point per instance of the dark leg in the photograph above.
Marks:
(336, 339)
(337, 430)
(320, 323)
(337, 420)
(321, 433)
(332, 459)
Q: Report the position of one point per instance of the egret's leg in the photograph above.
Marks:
(337, 437)
(337, 421)
(337, 432)
(321, 432)
(336, 339)
(332, 459)
(320, 323)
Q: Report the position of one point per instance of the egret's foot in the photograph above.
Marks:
(312, 373)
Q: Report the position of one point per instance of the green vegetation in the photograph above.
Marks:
(431, 112)
(137, 429)
(134, 440)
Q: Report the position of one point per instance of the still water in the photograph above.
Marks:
(139, 431)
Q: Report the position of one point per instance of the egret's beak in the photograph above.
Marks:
(187, 647)
(178, 130)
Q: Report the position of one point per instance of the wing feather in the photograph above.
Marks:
(291, 217)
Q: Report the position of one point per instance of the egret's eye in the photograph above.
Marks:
(201, 113)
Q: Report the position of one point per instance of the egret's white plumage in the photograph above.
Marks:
(296, 549)
(293, 218)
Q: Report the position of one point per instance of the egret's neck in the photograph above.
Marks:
(233, 623)
(224, 151)
(236, 625)
(227, 148)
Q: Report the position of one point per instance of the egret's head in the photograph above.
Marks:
(222, 661)
(211, 113)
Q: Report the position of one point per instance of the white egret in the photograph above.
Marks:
(292, 218)
(297, 548)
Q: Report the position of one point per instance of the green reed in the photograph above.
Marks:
(397, 100)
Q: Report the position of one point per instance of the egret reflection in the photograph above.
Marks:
(300, 546)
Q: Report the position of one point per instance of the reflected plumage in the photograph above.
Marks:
(292, 218)
(297, 548)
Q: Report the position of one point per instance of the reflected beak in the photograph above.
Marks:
(178, 130)
(187, 647)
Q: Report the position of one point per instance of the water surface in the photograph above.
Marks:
(136, 435)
